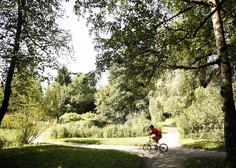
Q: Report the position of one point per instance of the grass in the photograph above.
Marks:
(204, 162)
(132, 141)
(56, 156)
(137, 141)
(207, 144)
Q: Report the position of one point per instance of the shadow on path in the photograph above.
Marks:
(174, 158)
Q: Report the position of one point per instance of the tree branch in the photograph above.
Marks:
(199, 58)
(181, 12)
(193, 67)
(203, 22)
(200, 2)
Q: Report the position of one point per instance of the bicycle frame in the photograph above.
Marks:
(157, 146)
(152, 142)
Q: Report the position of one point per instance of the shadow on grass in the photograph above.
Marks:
(206, 144)
(84, 141)
(54, 156)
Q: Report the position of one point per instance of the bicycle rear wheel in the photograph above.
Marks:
(147, 147)
(163, 147)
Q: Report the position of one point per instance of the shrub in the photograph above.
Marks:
(204, 118)
(9, 121)
(137, 125)
(9, 137)
(2, 142)
(24, 127)
(69, 117)
(88, 116)
(60, 131)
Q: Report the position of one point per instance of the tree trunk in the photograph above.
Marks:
(226, 87)
(14, 57)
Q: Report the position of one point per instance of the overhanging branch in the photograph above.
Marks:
(193, 67)
(200, 2)
(181, 12)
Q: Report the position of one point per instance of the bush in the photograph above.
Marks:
(9, 137)
(24, 127)
(69, 117)
(204, 118)
(93, 127)
(95, 119)
(2, 142)
(9, 121)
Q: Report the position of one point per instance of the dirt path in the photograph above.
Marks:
(176, 154)
(174, 158)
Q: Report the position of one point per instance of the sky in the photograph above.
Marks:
(82, 43)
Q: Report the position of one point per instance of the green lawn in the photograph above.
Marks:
(55, 156)
(204, 162)
(137, 141)
(207, 144)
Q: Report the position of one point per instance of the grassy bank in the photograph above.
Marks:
(66, 157)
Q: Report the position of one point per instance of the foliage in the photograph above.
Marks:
(113, 103)
(2, 142)
(204, 117)
(171, 95)
(67, 157)
(69, 117)
(9, 137)
(149, 36)
(55, 100)
(121, 98)
(77, 96)
(134, 127)
(40, 43)
(22, 128)
(63, 76)
(97, 120)
(82, 90)
(25, 111)
(26, 92)
(29, 40)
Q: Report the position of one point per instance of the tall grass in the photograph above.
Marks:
(135, 127)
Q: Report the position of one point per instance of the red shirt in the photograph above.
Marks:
(155, 131)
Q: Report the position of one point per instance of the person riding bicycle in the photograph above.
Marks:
(155, 134)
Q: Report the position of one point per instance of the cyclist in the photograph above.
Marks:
(155, 134)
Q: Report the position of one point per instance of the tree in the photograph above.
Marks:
(148, 36)
(63, 76)
(25, 108)
(122, 98)
(30, 38)
(81, 93)
(78, 96)
(170, 95)
(55, 102)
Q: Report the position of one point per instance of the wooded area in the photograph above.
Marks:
(165, 58)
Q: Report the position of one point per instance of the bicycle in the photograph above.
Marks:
(157, 146)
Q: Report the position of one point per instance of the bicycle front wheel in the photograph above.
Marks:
(147, 147)
(163, 147)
